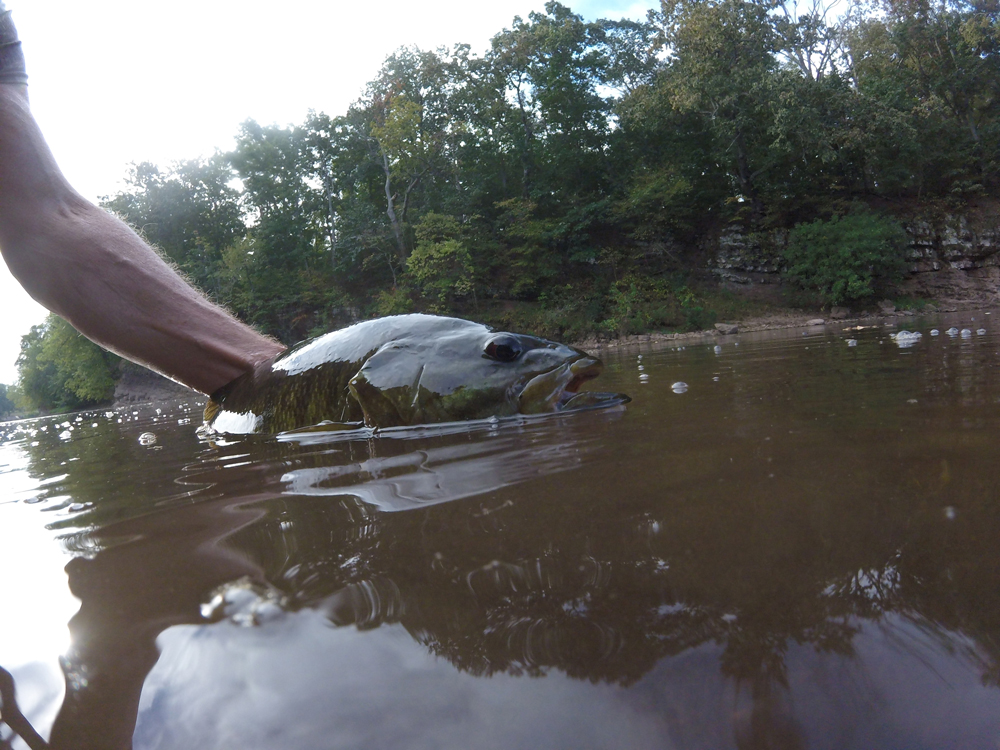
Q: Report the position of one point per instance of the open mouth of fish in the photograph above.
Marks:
(559, 389)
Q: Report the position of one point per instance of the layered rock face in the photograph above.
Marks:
(950, 256)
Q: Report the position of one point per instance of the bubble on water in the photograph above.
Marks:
(966, 333)
(716, 378)
(679, 387)
(641, 368)
(906, 339)
(108, 414)
(643, 378)
(65, 435)
(243, 603)
(950, 512)
(147, 438)
(639, 357)
(935, 332)
(718, 349)
(953, 332)
(852, 342)
(94, 424)
(186, 420)
(159, 411)
(911, 401)
(980, 331)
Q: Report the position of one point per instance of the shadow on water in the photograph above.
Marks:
(792, 513)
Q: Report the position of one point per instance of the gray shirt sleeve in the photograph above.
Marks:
(11, 58)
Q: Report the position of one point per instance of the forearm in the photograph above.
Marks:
(85, 265)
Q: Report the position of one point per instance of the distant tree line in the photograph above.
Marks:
(563, 180)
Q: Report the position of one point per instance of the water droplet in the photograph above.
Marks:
(147, 438)
(679, 387)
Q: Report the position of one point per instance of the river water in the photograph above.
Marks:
(796, 550)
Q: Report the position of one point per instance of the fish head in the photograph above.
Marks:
(473, 373)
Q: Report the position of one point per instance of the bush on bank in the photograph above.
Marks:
(847, 259)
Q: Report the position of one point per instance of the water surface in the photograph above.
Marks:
(797, 550)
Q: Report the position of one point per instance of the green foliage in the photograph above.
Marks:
(638, 303)
(528, 262)
(846, 259)
(7, 405)
(394, 301)
(440, 266)
(60, 370)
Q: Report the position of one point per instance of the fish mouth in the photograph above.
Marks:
(559, 389)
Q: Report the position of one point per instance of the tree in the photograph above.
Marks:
(7, 406)
(440, 265)
(722, 60)
(60, 370)
(190, 212)
(409, 122)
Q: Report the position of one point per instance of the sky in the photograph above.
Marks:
(115, 82)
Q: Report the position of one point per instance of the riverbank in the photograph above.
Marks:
(782, 319)
(138, 385)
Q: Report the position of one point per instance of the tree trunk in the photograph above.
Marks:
(390, 209)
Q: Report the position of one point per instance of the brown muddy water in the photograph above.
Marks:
(797, 551)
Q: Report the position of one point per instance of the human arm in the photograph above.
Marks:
(85, 265)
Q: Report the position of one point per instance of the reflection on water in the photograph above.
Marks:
(795, 549)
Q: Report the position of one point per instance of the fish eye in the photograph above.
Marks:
(504, 349)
